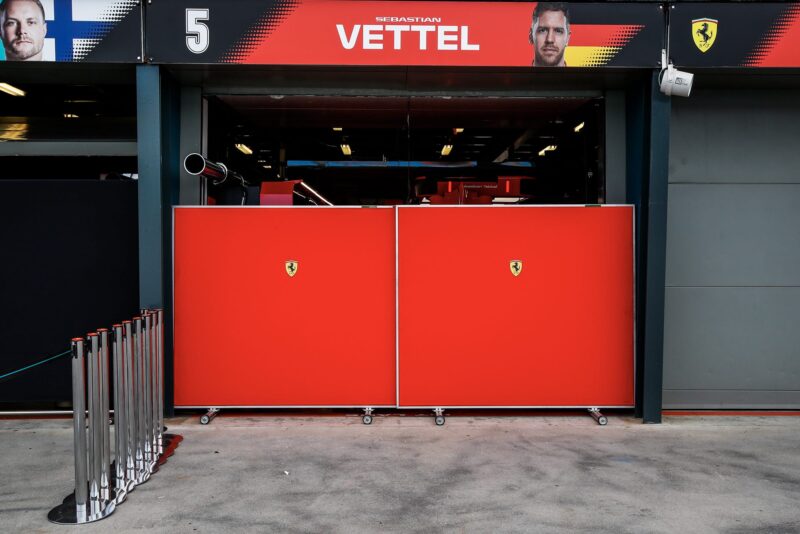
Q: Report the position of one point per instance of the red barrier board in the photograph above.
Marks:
(559, 333)
(284, 306)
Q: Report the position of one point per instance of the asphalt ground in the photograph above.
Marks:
(477, 473)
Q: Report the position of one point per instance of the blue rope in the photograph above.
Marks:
(35, 364)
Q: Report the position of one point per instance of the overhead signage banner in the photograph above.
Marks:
(71, 30)
(735, 35)
(354, 32)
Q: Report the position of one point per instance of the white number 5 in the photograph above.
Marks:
(197, 34)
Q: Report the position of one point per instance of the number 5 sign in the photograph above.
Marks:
(197, 34)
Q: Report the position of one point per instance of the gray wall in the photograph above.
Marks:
(732, 317)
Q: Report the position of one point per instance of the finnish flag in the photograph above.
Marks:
(75, 27)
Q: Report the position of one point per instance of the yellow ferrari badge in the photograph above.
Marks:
(291, 267)
(516, 267)
(704, 33)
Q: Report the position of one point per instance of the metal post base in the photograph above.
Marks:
(171, 442)
(120, 491)
(66, 513)
(438, 416)
(597, 416)
(209, 416)
(367, 417)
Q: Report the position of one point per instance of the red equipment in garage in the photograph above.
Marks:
(470, 192)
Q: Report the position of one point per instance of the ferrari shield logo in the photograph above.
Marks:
(704, 33)
(291, 267)
(516, 267)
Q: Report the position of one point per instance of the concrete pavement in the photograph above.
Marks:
(490, 473)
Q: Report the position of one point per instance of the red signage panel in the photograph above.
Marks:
(373, 32)
(284, 306)
(513, 307)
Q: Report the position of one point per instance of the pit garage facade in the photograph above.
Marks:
(486, 204)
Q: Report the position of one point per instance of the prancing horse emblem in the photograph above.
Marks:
(516, 267)
(704, 33)
(291, 267)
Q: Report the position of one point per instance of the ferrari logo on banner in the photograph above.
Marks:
(516, 267)
(704, 33)
(291, 267)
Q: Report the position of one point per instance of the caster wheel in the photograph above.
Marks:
(603, 421)
(367, 419)
(204, 419)
(439, 420)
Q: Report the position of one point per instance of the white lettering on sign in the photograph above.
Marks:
(348, 42)
(423, 35)
(447, 34)
(436, 20)
(373, 40)
(372, 36)
(398, 31)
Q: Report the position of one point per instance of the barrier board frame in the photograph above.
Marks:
(632, 207)
(398, 404)
(264, 406)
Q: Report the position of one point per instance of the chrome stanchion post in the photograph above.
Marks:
(130, 416)
(95, 431)
(137, 355)
(160, 367)
(73, 512)
(105, 468)
(120, 423)
(147, 397)
(153, 399)
(87, 504)
(141, 465)
(79, 429)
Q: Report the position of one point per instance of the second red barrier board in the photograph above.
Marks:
(284, 306)
(516, 307)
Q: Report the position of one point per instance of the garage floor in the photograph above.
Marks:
(404, 474)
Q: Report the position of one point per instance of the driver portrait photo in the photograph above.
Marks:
(549, 34)
(23, 29)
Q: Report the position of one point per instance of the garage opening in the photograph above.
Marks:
(353, 150)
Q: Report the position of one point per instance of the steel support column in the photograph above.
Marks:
(648, 124)
(658, 176)
(157, 118)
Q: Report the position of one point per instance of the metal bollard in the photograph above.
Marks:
(137, 352)
(147, 391)
(153, 399)
(79, 428)
(141, 470)
(69, 512)
(120, 422)
(130, 434)
(105, 448)
(160, 367)
(99, 506)
(95, 432)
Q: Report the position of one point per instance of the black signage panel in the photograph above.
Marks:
(755, 35)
